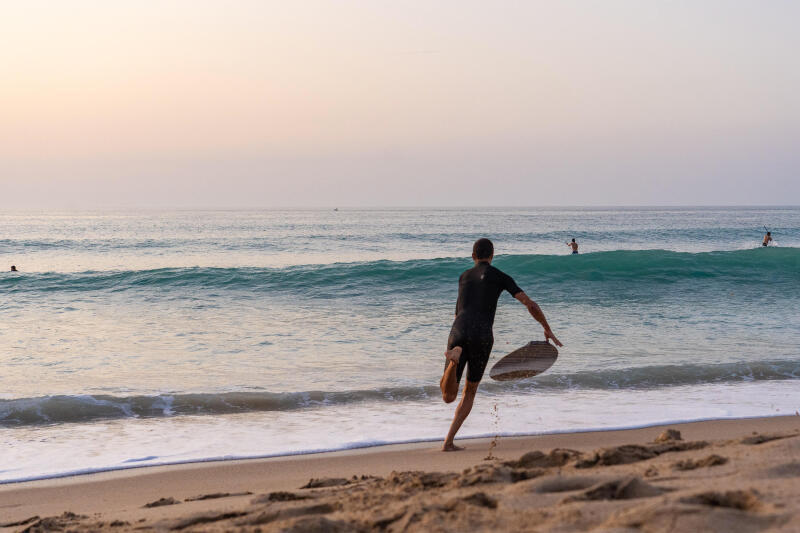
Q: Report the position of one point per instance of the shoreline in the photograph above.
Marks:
(366, 447)
(121, 494)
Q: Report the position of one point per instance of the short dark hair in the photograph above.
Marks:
(768, 233)
(573, 239)
(483, 249)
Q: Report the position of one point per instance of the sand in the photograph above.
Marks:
(732, 476)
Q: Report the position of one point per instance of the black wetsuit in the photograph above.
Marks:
(478, 291)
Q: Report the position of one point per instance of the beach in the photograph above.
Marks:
(179, 370)
(725, 475)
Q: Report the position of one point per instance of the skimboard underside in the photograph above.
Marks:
(528, 361)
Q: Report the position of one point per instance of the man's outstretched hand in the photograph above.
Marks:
(548, 335)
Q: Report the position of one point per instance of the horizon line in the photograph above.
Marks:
(390, 207)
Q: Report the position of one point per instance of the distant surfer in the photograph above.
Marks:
(13, 268)
(574, 246)
(471, 337)
(767, 239)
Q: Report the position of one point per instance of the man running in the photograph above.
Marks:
(767, 239)
(471, 337)
(574, 246)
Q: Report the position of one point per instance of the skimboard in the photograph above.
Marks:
(530, 360)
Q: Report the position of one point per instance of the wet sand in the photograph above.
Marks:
(730, 475)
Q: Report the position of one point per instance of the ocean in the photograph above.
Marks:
(134, 338)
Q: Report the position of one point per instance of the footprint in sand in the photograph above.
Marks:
(161, 502)
(563, 484)
(625, 488)
(733, 499)
(315, 483)
(216, 495)
(760, 439)
(692, 464)
(278, 496)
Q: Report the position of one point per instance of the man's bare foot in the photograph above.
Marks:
(451, 447)
(453, 355)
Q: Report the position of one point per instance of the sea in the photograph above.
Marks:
(148, 337)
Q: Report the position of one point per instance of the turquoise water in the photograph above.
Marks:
(164, 336)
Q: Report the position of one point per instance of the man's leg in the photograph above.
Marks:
(449, 383)
(462, 411)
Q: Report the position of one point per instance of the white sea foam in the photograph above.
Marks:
(74, 449)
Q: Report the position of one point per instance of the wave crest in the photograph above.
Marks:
(85, 408)
(777, 265)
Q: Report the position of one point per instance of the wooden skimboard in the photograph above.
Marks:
(530, 360)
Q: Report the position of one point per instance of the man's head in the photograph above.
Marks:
(13, 268)
(483, 250)
(573, 240)
(768, 233)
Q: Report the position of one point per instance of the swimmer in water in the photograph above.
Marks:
(471, 337)
(767, 239)
(13, 268)
(574, 246)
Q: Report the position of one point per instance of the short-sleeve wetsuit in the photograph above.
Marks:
(478, 291)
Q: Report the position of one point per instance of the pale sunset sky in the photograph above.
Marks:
(200, 103)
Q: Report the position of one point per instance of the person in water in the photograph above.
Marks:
(471, 337)
(13, 268)
(767, 239)
(574, 246)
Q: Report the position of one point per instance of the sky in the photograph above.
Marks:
(201, 103)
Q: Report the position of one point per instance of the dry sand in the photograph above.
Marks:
(733, 475)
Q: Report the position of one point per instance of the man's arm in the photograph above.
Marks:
(536, 312)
